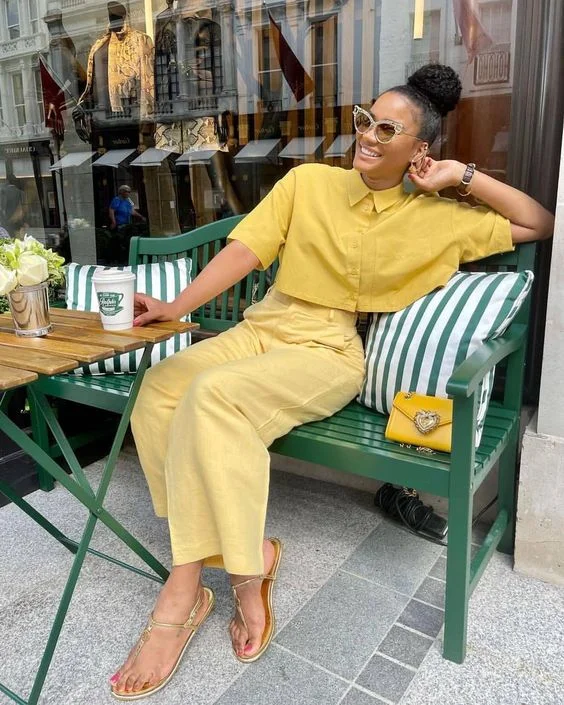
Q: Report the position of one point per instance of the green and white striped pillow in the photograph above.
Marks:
(418, 348)
(163, 280)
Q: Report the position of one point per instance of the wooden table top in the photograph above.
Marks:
(77, 338)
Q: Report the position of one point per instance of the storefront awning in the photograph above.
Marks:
(72, 159)
(301, 147)
(114, 157)
(341, 146)
(151, 157)
(197, 156)
(257, 151)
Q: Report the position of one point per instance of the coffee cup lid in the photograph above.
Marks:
(112, 275)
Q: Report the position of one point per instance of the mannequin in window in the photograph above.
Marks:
(188, 66)
(66, 70)
(119, 74)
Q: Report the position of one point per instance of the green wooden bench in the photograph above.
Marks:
(353, 440)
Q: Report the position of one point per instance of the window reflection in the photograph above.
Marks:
(201, 107)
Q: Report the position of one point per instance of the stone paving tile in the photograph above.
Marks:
(424, 618)
(393, 557)
(439, 568)
(385, 678)
(405, 646)
(432, 591)
(282, 678)
(359, 697)
(338, 629)
(485, 678)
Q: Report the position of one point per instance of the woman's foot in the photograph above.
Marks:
(247, 639)
(147, 666)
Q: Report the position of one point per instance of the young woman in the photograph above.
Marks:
(348, 241)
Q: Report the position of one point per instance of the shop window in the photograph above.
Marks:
(269, 72)
(19, 99)
(427, 49)
(166, 70)
(34, 16)
(12, 18)
(39, 96)
(207, 50)
(324, 60)
(203, 52)
(496, 18)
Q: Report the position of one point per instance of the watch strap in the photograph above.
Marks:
(464, 186)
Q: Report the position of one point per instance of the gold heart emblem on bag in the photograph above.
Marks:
(426, 421)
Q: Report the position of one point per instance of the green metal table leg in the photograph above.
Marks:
(5, 400)
(85, 498)
(62, 611)
(80, 488)
(41, 437)
(44, 523)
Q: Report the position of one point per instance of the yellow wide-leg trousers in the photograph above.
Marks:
(205, 417)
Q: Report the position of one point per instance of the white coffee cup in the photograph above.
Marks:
(115, 291)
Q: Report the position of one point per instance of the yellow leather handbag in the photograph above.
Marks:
(421, 421)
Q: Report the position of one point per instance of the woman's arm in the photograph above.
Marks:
(529, 220)
(229, 266)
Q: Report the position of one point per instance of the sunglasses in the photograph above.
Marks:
(384, 130)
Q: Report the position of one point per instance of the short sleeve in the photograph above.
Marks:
(265, 228)
(114, 204)
(480, 231)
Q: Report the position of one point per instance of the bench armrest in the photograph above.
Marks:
(467, 376)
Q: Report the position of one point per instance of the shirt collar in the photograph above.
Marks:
(382, 199)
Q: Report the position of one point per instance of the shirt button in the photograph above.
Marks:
(354, 245)
(354, 271)
(367, 208)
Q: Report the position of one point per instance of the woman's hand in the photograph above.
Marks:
(430, 175)
(147, 309)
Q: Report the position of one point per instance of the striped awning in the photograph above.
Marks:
(257, 151)
(341, 146)
(114, 157)
(196, 156)
(301, 147)
(151, 157)
(72, 159)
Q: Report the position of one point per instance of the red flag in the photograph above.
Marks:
(297, 77)
(54, 101)
(474, 36)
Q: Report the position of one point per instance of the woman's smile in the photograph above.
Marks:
(368, 153)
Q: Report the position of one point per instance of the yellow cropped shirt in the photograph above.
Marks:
(345, 246)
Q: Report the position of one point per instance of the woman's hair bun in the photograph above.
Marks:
(440, 84)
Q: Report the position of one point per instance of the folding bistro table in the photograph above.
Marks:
(77, 338)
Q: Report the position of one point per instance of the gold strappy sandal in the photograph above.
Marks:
(188, 624)
(267, 589)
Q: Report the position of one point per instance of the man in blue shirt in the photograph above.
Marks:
(122, 209)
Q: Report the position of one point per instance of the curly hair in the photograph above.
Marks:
(434, 90)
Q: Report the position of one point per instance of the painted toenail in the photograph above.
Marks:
(114, 678)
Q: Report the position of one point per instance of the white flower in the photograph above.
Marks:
(8, 280)
(29, 243)
(32, 269)
(10, 247)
